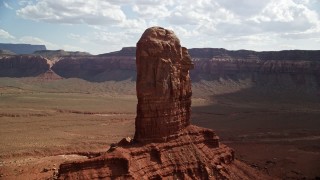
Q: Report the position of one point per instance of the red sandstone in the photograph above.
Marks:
(165, 145)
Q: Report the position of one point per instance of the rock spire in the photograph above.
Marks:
(163, 85)
(165, 145)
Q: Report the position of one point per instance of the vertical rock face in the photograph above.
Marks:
(23, 66)
(163, 85)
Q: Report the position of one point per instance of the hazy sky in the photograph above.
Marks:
(99, 26)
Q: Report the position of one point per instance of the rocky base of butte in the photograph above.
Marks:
(165, 145)
(194, 154)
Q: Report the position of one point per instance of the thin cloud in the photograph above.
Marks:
(93, 12)
(5, 35)
(7, 5)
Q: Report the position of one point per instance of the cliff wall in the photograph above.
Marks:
(285, 70)
(96, 68)
(23, 66)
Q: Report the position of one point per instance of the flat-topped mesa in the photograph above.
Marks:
(163, 86)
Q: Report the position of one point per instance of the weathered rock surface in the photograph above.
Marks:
(193, 154)
(163, 86)
(165, 144)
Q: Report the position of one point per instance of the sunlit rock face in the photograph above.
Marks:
(163, 85)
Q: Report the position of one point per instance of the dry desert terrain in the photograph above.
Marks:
(46, 123)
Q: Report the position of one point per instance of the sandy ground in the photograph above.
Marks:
(39, 131)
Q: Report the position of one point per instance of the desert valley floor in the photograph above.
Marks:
(46, 123)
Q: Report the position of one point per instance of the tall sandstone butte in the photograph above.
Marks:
(165, 145)
(163, 86)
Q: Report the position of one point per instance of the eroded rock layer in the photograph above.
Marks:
(163, 85)
(165, 145)
(193, 154)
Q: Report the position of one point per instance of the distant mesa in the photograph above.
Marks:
(125, 51)
(61, 53)
(295, 67)
(22, 48)
(221, 53)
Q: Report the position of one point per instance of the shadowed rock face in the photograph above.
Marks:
(165, 145)
(96, 69)
(163, 85)
(23, 66)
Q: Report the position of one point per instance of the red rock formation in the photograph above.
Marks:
(193, 154)
(165, 144)
(163, 86)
